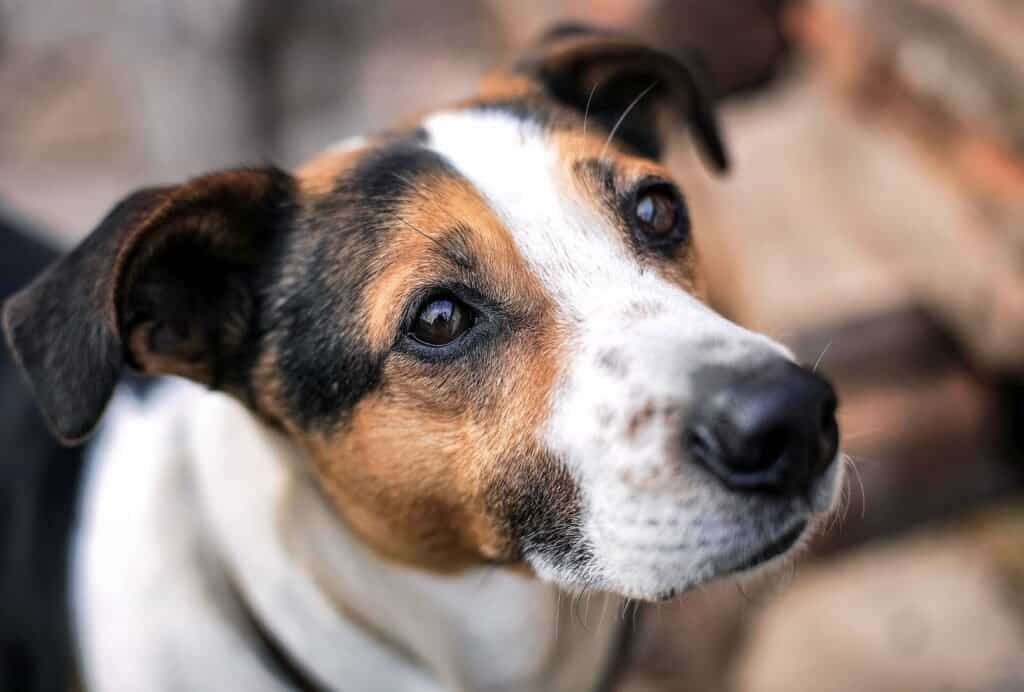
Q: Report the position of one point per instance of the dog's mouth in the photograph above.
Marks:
(771, 550)
(765, 553)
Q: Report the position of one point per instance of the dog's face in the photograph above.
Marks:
(485, 330)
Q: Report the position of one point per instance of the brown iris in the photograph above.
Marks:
(657, 212)
(441, 320)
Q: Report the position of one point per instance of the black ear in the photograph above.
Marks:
(623, 85)
(168, 282)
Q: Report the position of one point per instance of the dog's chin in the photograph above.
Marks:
(761, 558)
(731, 561)
(728, 536)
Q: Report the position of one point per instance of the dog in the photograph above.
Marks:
(426, 386)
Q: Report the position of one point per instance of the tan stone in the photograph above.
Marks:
(928, 613)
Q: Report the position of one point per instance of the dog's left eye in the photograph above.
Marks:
(441, 321)
(659, 216)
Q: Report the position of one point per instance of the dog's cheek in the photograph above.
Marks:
(400, 478)
(440, 468)
(536, 506)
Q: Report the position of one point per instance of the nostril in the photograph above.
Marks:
(773, 446)
(828, 434)
(828, 415)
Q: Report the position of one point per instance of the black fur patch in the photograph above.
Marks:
(64, 331)
(325, 364)
(39, 485)
(621, 85)
(195, 253)
(540, 507)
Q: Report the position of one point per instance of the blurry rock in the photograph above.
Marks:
(943, 86)
(925, 433)
(931, 613)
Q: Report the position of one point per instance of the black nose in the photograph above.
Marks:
(772, 429)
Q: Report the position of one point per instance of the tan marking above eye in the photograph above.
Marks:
(413, 259)
(501, 84)
(627, 171)
(320, 175)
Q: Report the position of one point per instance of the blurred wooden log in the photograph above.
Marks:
(940, 610)
(945, 85)
(930, 436)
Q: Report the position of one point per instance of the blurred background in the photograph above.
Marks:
(874, 221)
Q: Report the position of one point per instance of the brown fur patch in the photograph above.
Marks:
(320, 175)
(640, 420)
(603, 173)
(423, 465)
(502, 85)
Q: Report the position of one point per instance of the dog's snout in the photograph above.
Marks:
(772, 430)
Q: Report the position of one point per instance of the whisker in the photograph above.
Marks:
(574, 611)
(838, 517)
(558, 610)
(586, 610)
(622, 118)
(408, 181)
(862, 433)
(586, 111)
(860, 481)
(821, 355)
(421, 232)
(746, 596)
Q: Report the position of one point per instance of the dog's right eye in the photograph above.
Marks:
(659, 217)
(442, 320)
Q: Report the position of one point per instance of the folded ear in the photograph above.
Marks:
(623, 85)
(168, 282)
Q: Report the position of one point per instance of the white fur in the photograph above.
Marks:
(188, 488)
(655, 523)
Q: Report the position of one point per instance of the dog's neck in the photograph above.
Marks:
(247, 517)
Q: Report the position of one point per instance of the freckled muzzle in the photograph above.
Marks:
(770, 429)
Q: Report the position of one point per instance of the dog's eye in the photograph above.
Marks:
(659, 216)
(441, 320)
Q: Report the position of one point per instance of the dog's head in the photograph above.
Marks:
(485, 331)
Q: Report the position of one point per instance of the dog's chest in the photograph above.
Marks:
(190, 502)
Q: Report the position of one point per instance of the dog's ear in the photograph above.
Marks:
(168, 282)
(624, 85)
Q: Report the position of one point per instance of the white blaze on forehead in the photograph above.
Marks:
(520, 172)
(566, 238)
